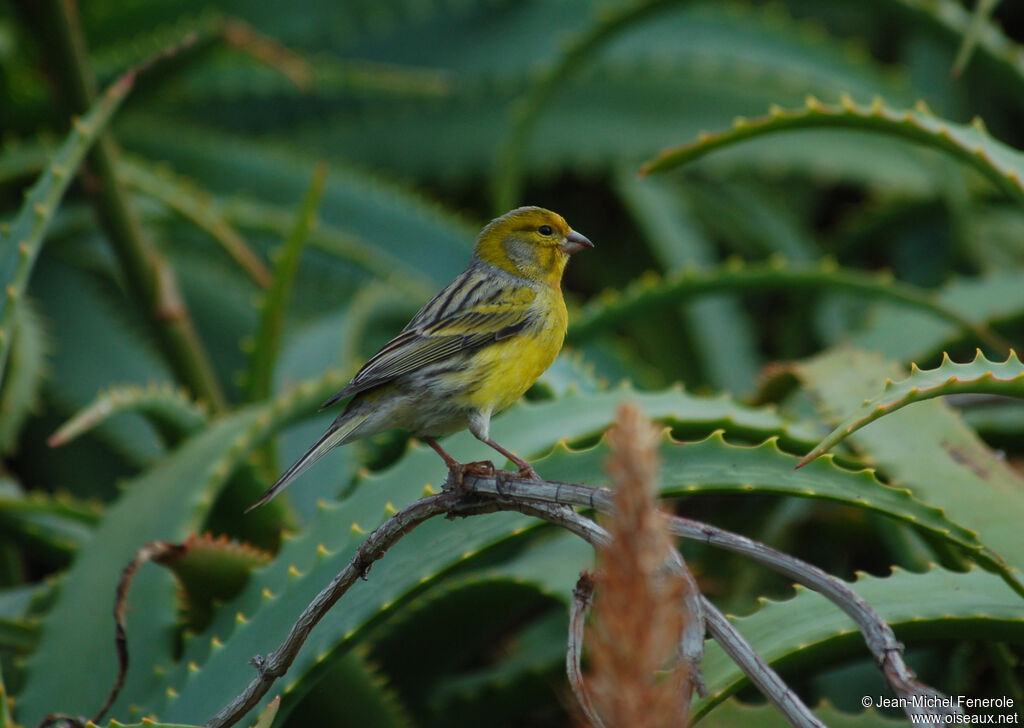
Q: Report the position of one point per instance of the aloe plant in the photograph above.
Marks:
(807, 253)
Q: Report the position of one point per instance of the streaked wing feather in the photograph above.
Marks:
(435, 341)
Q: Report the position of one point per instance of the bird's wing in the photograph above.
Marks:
(436, 338)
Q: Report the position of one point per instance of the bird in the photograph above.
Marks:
(470, 352)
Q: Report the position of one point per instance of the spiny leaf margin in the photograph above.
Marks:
(979, 376)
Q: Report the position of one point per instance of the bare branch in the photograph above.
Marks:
(759, 672)
(582, 596)
(376, 544)
(879, 637)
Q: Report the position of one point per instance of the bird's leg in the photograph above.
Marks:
(451, 462)
(457, 469)
(525, 469)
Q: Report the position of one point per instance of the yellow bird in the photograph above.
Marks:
(473, 350)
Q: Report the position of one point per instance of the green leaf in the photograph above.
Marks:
(907, 335)
(983, 11)
(274, 305)
(50, 527)
(21, 242)
(713, 465)
(978, 376)
(167, 502)
(650, 292)
(971, 144)
(347, 691)
(421, 239)
(6, 721)
(179, 195)
(96, 345)
(211, 570)
(27, 368)
(170, 408)
(734, 714)
(807, 632)
(927, 449)
(722, 332)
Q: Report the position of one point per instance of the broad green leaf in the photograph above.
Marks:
(808, 632)
(734, 714)
(96, 345)
(264, 354)
(720, 329)
(25, 372)
(972, 144)
(907, 335)
(978, 376)
(21, 241)
(422, 238)
(197, 207)
(170, 409)
(714, 465)
(928, 450)
(651, 292)
(166, 502)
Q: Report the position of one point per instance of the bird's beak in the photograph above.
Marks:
(574, 242)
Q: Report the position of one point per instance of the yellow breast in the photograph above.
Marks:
(510, 367)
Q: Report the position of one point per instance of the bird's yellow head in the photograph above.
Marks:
(530, 242)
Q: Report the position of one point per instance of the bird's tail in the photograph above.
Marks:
(336, 435)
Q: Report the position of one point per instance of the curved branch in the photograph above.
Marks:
(274, 665)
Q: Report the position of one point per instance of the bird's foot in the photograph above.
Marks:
(458, 471)
(529, 473)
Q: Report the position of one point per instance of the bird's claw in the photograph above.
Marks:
(480, 468)
(529, 473)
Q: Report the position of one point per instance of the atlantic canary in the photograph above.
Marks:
(473, 350)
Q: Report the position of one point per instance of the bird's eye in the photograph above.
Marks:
(544, 230)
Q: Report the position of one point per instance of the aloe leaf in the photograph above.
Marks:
(197, 207)
(983, 11)
(651, 292)
(274, 305)
(714, 465)
(571, 372)
(348, 690)
(211, 570)
(905, 334)
(21, 241)
(167, 502)
(6, 721)
(420, 239)
(972, 144)
(808, 630)
(734, 714)
(1004, 57)
(705, 61)
(978, 376)
(927, 449)
(25, 373)
(724, 339)
(51, 528)
(96, 346)
(575, 55)
(170, 408)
